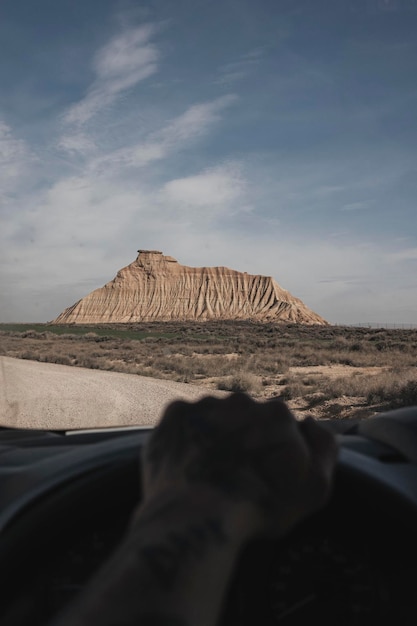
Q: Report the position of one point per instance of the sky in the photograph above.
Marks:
(275, 137)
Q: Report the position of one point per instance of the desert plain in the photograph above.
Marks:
(329, 372)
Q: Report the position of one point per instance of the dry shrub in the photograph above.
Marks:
(61, 359)
(241, 381)
(29, 355)
(294, 388)
(392, 389)
(397, 394)
(262, 353)
(352, 386)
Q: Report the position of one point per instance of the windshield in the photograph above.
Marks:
(274, 138)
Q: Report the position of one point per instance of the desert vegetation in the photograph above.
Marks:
(326, 370)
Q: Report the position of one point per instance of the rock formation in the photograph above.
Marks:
(157, 287)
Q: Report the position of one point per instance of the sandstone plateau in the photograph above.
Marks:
(157, 287)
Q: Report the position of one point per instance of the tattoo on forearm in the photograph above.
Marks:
(165, 559)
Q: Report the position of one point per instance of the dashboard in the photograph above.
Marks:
(66, 500)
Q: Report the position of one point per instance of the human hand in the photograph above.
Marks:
(265, 468)
(216, 473)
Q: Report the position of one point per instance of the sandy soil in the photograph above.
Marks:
(50, 396)
(335, 370)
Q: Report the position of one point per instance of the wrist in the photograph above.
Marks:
(172, 508)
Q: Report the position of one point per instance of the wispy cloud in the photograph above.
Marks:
(194, 123)
(409, 254)
(127, 59)
(355, 206)
(240, 68)
(211, 192)
(78, 143)
(15, 158)
(307, 179)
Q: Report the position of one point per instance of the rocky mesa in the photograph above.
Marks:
(157, 287)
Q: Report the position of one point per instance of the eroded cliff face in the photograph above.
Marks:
(157, 287)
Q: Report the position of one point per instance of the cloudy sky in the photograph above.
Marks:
(271, 136)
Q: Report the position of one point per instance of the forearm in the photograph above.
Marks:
(215, 473)
(171, 570)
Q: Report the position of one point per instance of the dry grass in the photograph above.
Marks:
(242, 356)
(241, 381)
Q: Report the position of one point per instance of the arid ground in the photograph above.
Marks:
(325, 371)
(49, 396)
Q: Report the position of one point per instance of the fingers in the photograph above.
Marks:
(323, 454)
(219, 439)
(322, 444)
(243, 420)
(236, 406)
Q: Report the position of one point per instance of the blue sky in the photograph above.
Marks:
(271, 136)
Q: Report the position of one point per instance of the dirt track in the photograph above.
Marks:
(45, 395)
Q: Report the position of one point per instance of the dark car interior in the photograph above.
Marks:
(67, 499)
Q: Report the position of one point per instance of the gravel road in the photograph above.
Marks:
(50, 396)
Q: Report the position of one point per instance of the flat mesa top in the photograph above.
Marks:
(150, 251)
